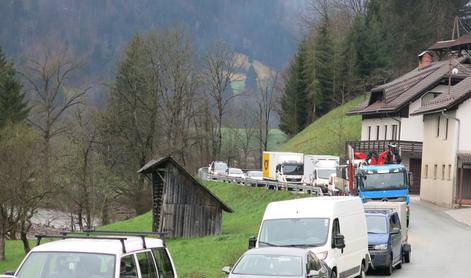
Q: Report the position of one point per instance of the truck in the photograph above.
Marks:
(389, 182)
(283, 166)
(319, 168)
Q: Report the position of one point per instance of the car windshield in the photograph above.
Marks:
(376, 224)
(220, 166)
(235, 171)
(294, 232)
(325, 173)
(67, 264)
(269, 265)
(381, 181)
(293, 169)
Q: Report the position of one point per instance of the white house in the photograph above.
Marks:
(427, 112)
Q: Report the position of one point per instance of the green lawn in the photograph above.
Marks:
(276, 137)
(200, 257)
(328, 134)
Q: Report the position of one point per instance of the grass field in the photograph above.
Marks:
(276, 137)
(328, 134)
(200, 257)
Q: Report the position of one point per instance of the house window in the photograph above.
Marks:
(426, 170)
(446, 129)
(435, 172)
(386, 132)
(369, 133)
(443, 171)
(449, 171)
(377, 132)
(394, 132)
(438, 126)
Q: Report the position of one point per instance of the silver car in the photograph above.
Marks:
(278, 262)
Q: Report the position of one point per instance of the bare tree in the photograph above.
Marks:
(221, 66)
(52, 94)
(267, 97)
(20, 191)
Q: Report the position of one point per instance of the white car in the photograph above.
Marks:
(98, 255)
(235, 173)
(254, 175)
(217, 169)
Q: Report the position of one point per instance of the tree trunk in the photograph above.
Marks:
(105, 217)
(25, 241)
(2, 243)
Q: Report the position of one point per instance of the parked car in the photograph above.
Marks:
(334, 228)
(254, 175)
(98, 254)
(384, 239)
(278, 262)
(235, 173)
(217, 168)
(254, 178)
(203, 173)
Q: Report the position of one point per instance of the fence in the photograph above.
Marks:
(274, 185)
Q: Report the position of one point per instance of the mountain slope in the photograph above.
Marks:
(328, 134)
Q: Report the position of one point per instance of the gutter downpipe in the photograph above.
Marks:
(458, 121)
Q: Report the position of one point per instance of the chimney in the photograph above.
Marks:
(425, 59)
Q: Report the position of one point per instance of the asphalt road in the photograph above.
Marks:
(441, 246)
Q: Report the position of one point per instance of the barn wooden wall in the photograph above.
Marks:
(187, 210)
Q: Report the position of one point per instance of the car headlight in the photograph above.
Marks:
(380, 247)
(322, 255)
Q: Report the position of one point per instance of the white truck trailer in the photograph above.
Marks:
(319, 168)
(283, 166)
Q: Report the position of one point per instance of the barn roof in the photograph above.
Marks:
(152, 165)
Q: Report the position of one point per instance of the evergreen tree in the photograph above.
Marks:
(324, 70)
(294, 102)
(13, 106)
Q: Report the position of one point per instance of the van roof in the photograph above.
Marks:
(114, 247)
(314, 207)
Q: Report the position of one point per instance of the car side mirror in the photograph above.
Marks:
(313, 273)
(226, 269)
(339, 241)
(252, 242)
(395, 230)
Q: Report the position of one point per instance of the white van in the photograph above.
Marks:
(332, 227)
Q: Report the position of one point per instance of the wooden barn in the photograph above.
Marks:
(182, 207)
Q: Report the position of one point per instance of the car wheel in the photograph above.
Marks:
(389, 269)
(333, 275)
(407, 257)
(362, 272)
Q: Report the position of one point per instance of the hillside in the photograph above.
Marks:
(200, 257)
(328, 134)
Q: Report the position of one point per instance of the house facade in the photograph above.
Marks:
(446, 160)
(427, 112)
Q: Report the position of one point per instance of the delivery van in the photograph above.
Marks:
(334, 228)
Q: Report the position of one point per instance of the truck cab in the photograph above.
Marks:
(384, 183)
(290, 172)
(385, 236)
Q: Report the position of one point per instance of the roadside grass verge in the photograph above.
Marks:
(199, 257)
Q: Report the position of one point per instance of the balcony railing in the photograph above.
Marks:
(411, 148)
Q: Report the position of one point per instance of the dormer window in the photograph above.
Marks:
(376, 96)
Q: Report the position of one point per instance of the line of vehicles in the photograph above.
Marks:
(386, 182)
(335, 236)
